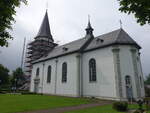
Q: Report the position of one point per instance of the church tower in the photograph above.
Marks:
(44, 41)
(42, 44)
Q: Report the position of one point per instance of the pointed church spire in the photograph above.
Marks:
(44, 30)
(89, 29)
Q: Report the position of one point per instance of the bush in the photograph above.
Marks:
(4, 91)
(147, 103)
(147, 91)
(139, 111)
(120, 106)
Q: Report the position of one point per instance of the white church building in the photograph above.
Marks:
(106, 66)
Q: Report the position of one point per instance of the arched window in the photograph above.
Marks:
(37, 71)
(64, 72)
(92, 70)
(141, 81)
(128, 80)
(49, 74)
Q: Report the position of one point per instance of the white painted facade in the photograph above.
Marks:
(117, 71)
(109, 84)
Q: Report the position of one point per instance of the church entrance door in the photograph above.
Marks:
(129, 93)
(36, 87)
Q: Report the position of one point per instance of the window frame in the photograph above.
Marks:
(64, 72)
(49, 73)
(141, 83)
(128, 80)
(37, 72)
(92, 70)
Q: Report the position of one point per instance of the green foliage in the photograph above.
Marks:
(120, 106)
(7, 12)
(18, 78)
(147, 91)
(4, 75)
(147, 81)
(147, 103)
(140, 8)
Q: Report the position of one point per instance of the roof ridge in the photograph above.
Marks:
(107, 33)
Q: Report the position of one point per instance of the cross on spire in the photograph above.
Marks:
(120, 23)
(88, 18)
(46, 5)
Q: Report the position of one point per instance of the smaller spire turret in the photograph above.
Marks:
(89, 29)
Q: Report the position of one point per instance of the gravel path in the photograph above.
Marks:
(70, 108)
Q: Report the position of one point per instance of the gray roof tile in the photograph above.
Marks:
(71, 47)
(115, 37)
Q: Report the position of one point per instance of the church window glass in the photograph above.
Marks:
(64, 72)
(92, 70)
(128, 80)
(37, 71)
(49, 74)
(141, 81)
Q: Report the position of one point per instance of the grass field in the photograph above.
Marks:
(17, 103)
(13, 103)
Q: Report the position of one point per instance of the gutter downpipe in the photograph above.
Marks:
(80, 77)
(55, 77)
(43, 77)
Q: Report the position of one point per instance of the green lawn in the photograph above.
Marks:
(17, 103)
(13, 103)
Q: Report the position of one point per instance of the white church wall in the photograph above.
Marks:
(56, 86)
(104, 87)
(49, 88)
(70, 87)
(32, 79)
(105, 84)
(33, 76)
(141, 79)
(127, 68)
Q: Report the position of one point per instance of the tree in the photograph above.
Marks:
(18, 78)
(7, 12)
(147, 84)
(140, 8)
(4, 75)
(147, 81)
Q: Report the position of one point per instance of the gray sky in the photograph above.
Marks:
(68, 19)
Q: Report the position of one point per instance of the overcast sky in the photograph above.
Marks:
(68, 20)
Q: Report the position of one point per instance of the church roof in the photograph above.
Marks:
(65, 49)
(117, 37)
(44, 30)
